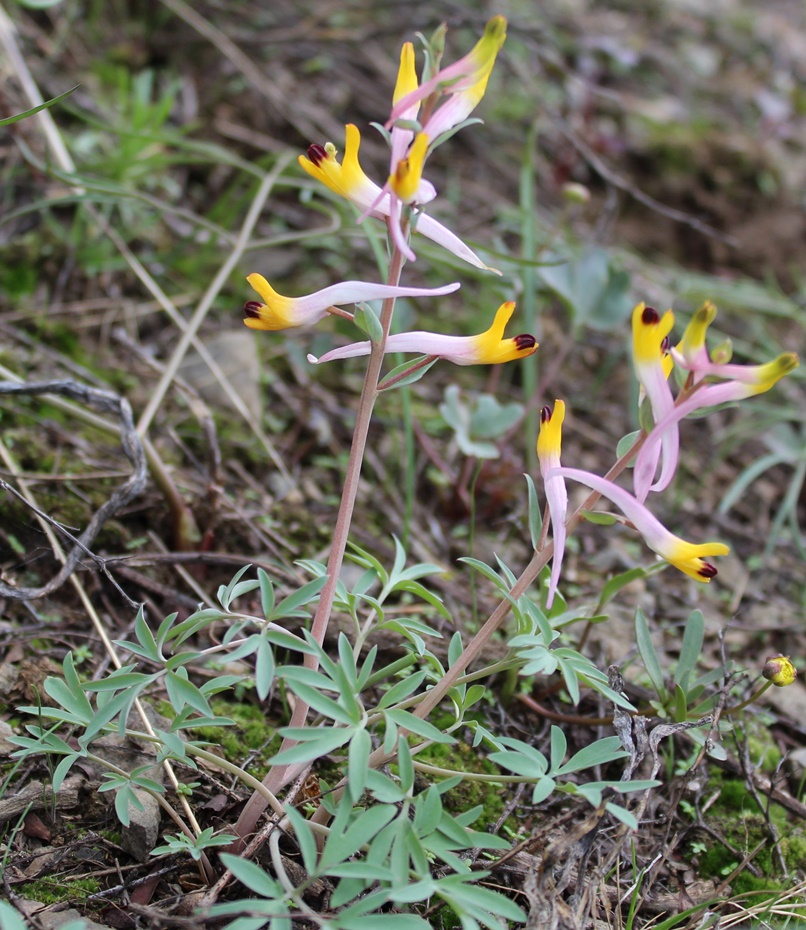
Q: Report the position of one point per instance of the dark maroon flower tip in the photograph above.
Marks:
(650, 316)
(707, 570)
(252, 309)
(317, 153)
(545, 414)
(665, 344)
(524, 341)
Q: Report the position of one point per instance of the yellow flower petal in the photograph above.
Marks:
(649, 331)
(771, 372)
(275, 313)
(689, 558)
(491, 348)
(549, 439)
(692, 345)
(406, 75)
(406, 179)
(346, 179)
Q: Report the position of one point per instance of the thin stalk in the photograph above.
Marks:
(474, 607)
(409, 463)
(279, 776)
(528, 302)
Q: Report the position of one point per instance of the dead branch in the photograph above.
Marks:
(133, 449)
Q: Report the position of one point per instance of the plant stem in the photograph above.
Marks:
(528, 302)
(474, 608)
(279, 776)
(727, 711)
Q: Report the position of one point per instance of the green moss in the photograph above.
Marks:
(764, 753)
(736, 816)
(251, 736)
(461, 757)
(51, 891)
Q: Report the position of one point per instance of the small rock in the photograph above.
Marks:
(236, 355)
(6, 748)
(140, 837)
(56, 916)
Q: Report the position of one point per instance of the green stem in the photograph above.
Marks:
(474, 611)
(528, 302)
(409, 463)
(728, 711)
(472, 776)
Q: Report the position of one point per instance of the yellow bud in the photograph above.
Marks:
(780, 671)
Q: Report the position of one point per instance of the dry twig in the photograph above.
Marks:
(131, 488)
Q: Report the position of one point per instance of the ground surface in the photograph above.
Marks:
(687, 127)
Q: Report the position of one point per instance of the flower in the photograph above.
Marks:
(405, 184)
(278, 312)
(748, 380)
(688, 557)
(465, 82)
(652, 365)
(780, 670)
(487, 348)
(401, 135)
(347, 179)
(549, 441)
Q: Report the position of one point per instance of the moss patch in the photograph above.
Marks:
(461, 757)
(251, 737)
(51, 891)
(736, 816)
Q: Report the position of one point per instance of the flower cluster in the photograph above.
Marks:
(446, 99)
(709, 382)
(423, 115)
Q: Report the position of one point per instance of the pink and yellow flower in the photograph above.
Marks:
(278, 312)
(405, 185)
(464, 82)
(487, 348)
(689, 558)
(747, 381)
(348, 180)
(549, 442)
(407, 157)
(652, 364)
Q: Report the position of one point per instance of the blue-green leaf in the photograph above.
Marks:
(418, 726)
(647, 652)
(690, 649)
(324, 742)
(297, 599)
(358, 764)
(266, 593)
(598, 753)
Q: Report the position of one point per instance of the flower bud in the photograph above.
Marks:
(722, 353)
(780, 671)
(576, 193)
